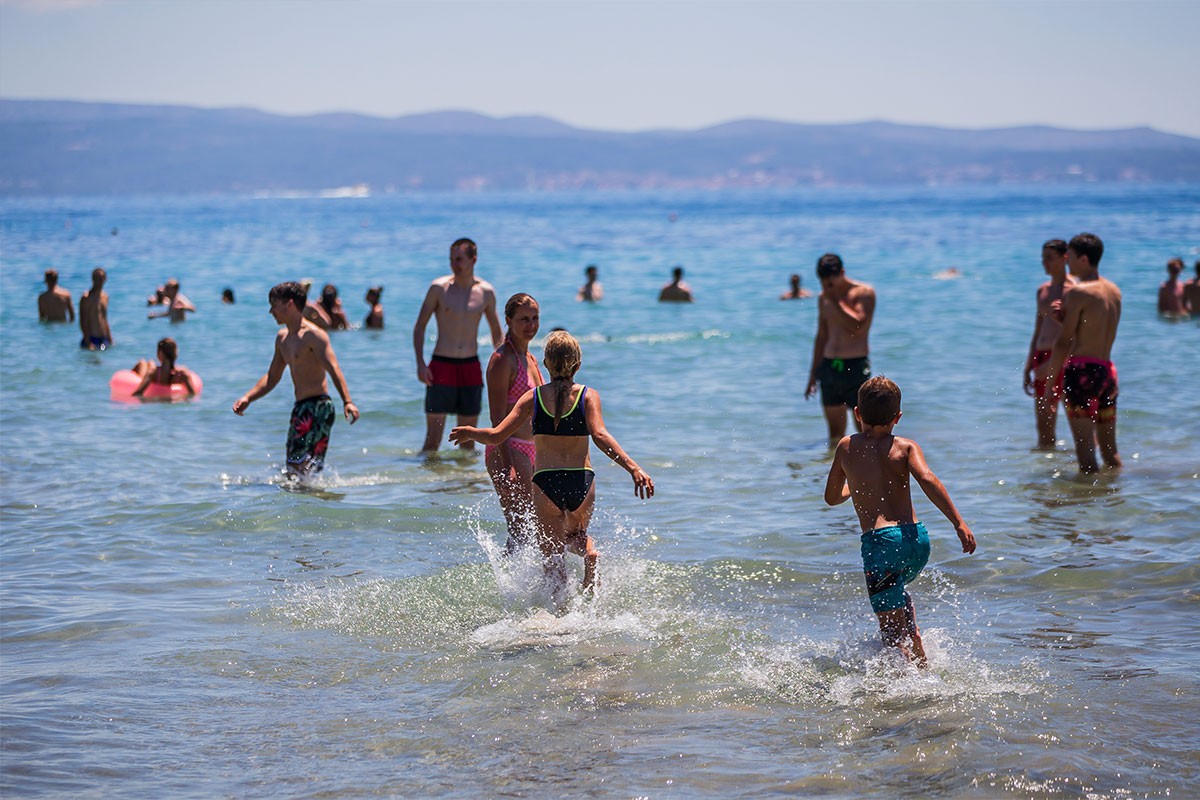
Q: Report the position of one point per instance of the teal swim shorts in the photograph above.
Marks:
(892, 557)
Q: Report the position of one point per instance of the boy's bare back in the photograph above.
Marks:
(877, 472)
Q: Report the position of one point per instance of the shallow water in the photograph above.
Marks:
(178, 621)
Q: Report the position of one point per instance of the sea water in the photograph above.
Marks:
(177, 621)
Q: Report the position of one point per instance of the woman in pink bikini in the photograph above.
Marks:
(511, 372)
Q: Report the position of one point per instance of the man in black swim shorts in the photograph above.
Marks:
(840, 361)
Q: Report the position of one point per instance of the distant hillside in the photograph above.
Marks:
(58, 147)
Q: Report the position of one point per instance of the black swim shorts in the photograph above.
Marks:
(840, 379)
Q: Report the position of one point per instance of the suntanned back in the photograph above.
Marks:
(878, 475)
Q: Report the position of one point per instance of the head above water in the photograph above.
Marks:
(829, 265)
(168, 351)
(99, 276)
(878, 401)
(288, 291)
(1089, 246)
(591, 271)
(329, 296)
(227, 295)
(561, 355)
(51, 278)
(1175, 267)
(374, 293)
(677, 274)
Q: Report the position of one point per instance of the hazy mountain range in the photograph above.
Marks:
(60, 147)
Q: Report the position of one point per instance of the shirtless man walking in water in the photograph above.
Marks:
(1082, 355)
(1046, 328)
(839, 361)
(453, 377)
(93, 314)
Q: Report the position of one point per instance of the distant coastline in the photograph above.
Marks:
(50, 147)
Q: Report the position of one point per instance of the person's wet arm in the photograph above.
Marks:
(145, 383)
(818, 352)
(1027, 381)
(937, 494)
(837, 490)
(266, 383)
(489, 311)
(427, 309)
(324, 351)
(521, 412)
(643, 485)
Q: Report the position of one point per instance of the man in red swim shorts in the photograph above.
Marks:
(453, 378)
(1081, 358)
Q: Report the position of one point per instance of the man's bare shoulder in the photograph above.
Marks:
(441, 283)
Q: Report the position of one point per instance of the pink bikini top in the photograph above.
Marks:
(521, 383)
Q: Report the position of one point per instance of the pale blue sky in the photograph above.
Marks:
(624, 65)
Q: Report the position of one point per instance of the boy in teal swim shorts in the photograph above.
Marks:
(873, 469)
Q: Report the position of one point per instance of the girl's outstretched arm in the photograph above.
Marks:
(643, 485)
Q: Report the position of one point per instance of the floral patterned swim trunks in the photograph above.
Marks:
(308, 436)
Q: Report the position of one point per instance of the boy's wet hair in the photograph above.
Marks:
(515, 302)
(829, 265)
(1088, 244)
(1057, 245)
(472, 251)
(289, 290)
(561, 354)
(374, 293)
(878, 401)
(51, 276)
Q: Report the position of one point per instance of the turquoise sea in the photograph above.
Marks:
(175, 622)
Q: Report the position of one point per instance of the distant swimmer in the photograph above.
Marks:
(794, 291)
(873, 468)
(1170, 294)
(93, 314)
(227, 296)
(453, 378)
(374, 320)
(840, 352)
(177, 305)
(592, 291)
(327, 313)
(164, 373)
(1046, 328)
(949, 274)
(511, 372)
(563, 415)
(1191, 294)
(1081, 358)
(54, 304)
(676, 291)
(305, 349)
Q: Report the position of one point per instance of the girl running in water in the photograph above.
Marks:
(511, 372)
(564, 415)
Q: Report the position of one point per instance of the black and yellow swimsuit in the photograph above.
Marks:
(567, 487)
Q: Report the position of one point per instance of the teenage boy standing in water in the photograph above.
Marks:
(1046, 327)
(839, 361)
(1082, 355)
(453, 377)
(873, 467)
(305, 350)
